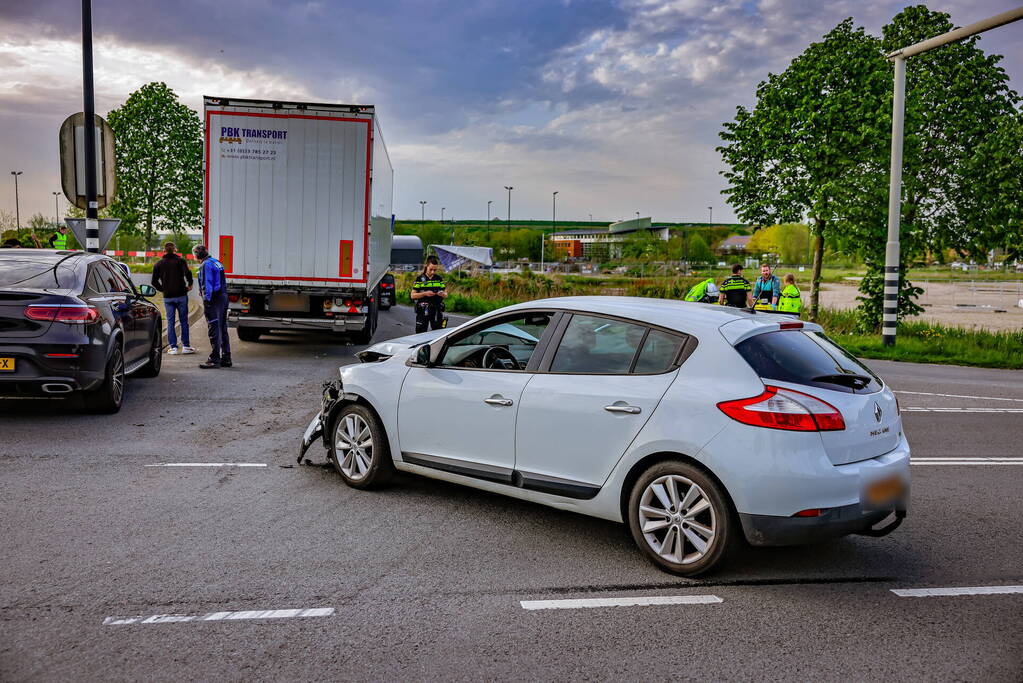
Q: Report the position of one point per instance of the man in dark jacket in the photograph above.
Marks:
(173, 277)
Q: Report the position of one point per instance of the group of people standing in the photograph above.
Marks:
(766, 294)
(172, 276)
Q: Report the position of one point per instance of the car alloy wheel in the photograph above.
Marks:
(677, 519)
(117, 377)
(353, 444)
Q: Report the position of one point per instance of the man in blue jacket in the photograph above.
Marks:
(213, 287)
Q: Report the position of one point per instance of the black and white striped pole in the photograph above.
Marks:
(92, 205)
(890, 317)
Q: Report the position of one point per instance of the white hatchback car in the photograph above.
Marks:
(694, 424)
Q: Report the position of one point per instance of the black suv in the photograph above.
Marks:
(386, 290)
(73, 322)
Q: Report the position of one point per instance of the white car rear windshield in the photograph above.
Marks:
(808, 358)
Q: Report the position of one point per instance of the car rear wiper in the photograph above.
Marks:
(851, 380)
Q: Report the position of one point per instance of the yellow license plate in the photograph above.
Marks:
(7, 364)
(885, 491)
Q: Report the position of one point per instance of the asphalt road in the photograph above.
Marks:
(426, 579)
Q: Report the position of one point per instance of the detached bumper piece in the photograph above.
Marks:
(768, 530)
(332, 395)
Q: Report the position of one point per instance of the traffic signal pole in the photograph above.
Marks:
(92, 208)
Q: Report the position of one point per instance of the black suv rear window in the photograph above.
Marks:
(34, 274)
(808, 358)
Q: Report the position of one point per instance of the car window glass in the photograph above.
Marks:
(95, 280)
(659, 352)
(35, 274)
(809, 358)
(507, 344)
(116, 280)
(594, 345)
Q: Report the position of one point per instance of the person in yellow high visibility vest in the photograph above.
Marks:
(790, 302)
(705, 292)
(59, 239)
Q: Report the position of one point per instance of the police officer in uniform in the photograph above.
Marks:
(59, 239)
(428, 293)
(735, 290)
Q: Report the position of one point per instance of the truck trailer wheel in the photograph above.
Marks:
(249, 334)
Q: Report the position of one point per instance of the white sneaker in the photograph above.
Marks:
(173, 351)
(187, 349)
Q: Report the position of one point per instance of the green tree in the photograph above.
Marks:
(699, 251)
(961, 143)
(812, 127)
(159, 163)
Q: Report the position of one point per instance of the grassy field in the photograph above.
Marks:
(918, 342)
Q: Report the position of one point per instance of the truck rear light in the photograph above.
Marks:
(233, 298)
(787, 409)
(357, 302)
(62, 314)
(245, 301)
(327, 303)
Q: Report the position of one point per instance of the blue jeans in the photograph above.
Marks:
(177, 306)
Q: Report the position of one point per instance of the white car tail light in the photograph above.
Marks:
(778, 408)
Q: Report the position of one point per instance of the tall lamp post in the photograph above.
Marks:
(422, 207)
(442, 213)
(890, 317)
(17, 209)
(489, 202)
(554, 227)
(509, 188)
(56, 209)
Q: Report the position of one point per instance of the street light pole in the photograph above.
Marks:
(92, 207)
(442, 213)
(489, 202)
(509, 188)
(554, 227)
(17, 208)
(711, 219)
(422, 207)
(890, 316)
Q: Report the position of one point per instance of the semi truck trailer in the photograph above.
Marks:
(297, 207)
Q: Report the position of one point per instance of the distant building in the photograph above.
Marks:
(600, 243)
(735, 245)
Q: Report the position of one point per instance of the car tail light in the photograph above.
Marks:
(386, 285)
(233, 298)
(785, 409)
(812, 512)
(62, 314)
(790, 326)
(62, 355)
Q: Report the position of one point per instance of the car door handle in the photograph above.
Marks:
(496, 401)
(632, 410)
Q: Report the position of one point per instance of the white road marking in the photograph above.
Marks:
(981, 398)
(943, 592)
(966, 460)
(208, 464)
(221, 616)
(917, 409)
(638, 601)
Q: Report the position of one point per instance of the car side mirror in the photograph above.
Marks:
(147, 290)
(423, 355)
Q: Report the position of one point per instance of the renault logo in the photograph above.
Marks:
(877, 412)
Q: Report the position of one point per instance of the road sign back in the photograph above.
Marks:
(72, 161)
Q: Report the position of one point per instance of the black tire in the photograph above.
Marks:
(249, 334)
(155, 362)
(359, 469)
(108, 398)
(686, 559)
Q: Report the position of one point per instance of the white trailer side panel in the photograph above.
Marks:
(380, 229)
(288, 195)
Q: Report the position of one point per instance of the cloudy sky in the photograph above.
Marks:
(616, 103)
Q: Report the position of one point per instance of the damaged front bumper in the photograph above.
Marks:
(332, 395)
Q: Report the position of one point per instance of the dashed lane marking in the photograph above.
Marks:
(221, 616)
(918, 409)
(638, 601)
(947, 592)
(981, 398)
(208, 464)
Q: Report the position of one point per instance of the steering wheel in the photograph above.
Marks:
(499, 358)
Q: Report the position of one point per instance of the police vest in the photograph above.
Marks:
(790, 302)
(699, 291)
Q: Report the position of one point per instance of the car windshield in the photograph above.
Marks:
(808, 358)
(35, 274)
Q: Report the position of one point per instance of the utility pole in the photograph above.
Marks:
(17, 209)
(710, 220)
(442, 213)
(489, 202)
(890, 316)
(509, 188)
(422, 206)
(56, 209)
(92, 208)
